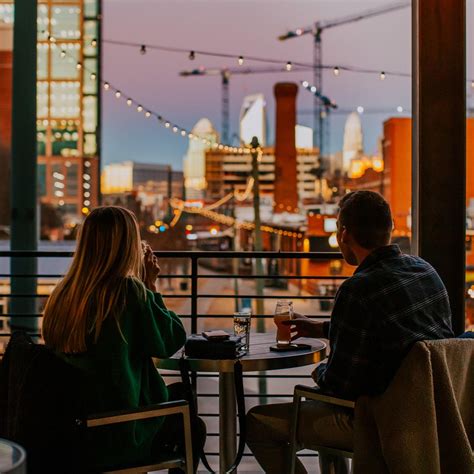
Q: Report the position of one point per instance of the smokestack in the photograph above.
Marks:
(286, 189)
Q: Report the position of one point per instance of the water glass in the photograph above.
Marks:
(242, 320)
(283, 312)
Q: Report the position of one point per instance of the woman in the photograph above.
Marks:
(107, 318)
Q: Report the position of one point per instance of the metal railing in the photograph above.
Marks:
(195, 274)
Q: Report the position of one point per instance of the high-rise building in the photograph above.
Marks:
(194, 161)
(68, 106)
(227, 171)
(253, 119)
(353, 144)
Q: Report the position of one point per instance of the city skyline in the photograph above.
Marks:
(153, 77)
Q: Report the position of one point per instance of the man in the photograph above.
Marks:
(391, 301)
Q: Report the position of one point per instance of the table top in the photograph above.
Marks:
(259, 357)
(12, 455)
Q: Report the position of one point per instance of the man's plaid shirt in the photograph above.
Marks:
(391, 301)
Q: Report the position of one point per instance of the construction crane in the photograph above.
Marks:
(225, 74)
(320, 125)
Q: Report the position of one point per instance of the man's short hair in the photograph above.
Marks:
(366, 215)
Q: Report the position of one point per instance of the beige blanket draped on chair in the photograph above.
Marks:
(424, 422)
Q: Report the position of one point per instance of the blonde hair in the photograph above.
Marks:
(108, 253)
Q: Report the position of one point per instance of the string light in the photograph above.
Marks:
(305, 84)
(336, 69)
(63, 54)
(382, 76)
(148, 114)
(360, 109)
(289, 66)
(400, 109)
(192, 56)
(94, 43)
(93, 76)
(241, 60)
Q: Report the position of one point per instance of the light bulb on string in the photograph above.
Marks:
(106, 86)
(79, 66)
(400, 109)
(305, 84)
(93, 76)
(129, 102)
(139, 108)
(241, 60)
(94, 43)
(472, 84)
(190, 136)
(336, 71)
(142, 49)
(289, 66)
(175, 129)
(382, 76)
(167, 125)
(314, 89)
(360, 109)
(147, 114)
(183, 133)
(63, 54)
(118, 94)
(192, 55)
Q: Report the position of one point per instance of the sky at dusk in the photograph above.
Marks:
(245, 27)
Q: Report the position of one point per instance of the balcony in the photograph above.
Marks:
(206, 298)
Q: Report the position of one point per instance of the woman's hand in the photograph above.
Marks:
(302, 326)
(151, 268)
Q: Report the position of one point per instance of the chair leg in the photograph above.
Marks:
(294, 430)
(188, 444)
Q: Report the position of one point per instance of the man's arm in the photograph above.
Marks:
(351, 338)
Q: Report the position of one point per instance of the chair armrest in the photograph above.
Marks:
(315, 393)
(142, 413)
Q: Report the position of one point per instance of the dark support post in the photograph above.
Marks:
(439, 143)
(24, 215)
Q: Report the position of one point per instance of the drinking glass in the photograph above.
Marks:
(242, 320)
(283, 312)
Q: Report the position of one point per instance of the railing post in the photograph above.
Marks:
(24, 213)
(194, 293)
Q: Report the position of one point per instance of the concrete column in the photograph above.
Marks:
(285, 187)
(439, 143)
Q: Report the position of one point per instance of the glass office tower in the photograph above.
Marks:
(68, 104)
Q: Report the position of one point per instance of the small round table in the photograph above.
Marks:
(12, 458)
(259, 358)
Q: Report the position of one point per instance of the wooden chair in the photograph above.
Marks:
(314, 393)
(164, 461)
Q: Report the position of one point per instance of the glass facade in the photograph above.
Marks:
(67, 103)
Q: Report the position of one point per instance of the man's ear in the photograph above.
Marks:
(344, 235)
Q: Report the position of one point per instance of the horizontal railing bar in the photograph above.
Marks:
(272, 297)
(187, 254)
(182, 316)
(200, 276)
(305, 455)
(186, 295)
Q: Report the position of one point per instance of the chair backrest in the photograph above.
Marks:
(425, 417)
(41, 406)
